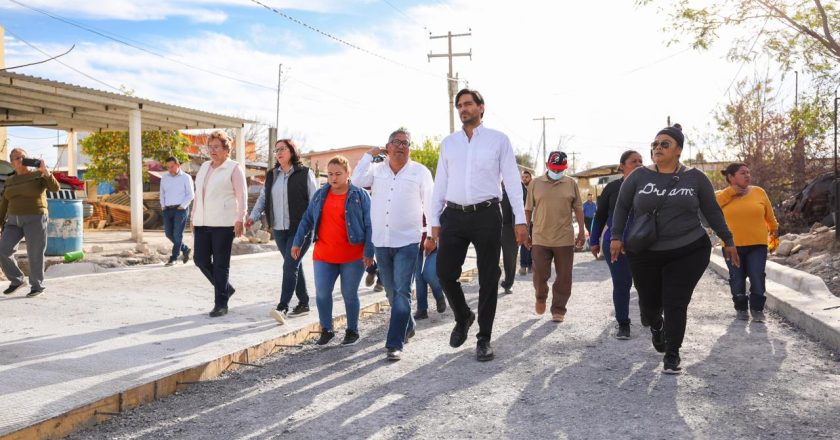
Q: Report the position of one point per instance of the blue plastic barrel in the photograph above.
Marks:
(64, 226)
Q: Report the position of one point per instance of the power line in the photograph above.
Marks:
(42, 61)
(339, 40)
(121, 40)
(404, 14)
(64, 64)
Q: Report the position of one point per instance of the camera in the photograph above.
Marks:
(379, 158)
(29, 162)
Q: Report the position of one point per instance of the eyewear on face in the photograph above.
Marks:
(215, 147)
(279, 150)
(663, 144)
(399, 143)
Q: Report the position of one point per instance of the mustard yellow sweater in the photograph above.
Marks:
(25, 194)
(750, 217)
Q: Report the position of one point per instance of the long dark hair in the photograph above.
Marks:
(731, 169)
(293, 150)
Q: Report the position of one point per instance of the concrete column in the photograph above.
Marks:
(71, 153)
(4, 135)
(135, 169)
(240, 147)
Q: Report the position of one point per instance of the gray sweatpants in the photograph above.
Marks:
(34, 229)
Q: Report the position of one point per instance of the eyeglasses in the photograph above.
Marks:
(399, 143)
(279, 150)
(664, 144)
(215, 147)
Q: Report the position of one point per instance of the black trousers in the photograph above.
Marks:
(212, 248)
(509, 251)
(483, 229)
(665, 281)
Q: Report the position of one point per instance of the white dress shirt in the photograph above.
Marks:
(176, 190)
(398, 201)
(470, 171)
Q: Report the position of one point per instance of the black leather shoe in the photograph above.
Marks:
(218, 311)
(483, 351)
(421, 314)
(459, 333)
(441, 304)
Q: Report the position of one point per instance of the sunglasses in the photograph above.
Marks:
(664, 144)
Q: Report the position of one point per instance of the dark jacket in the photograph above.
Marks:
(507, 210)
(298, 190)
(357, 212)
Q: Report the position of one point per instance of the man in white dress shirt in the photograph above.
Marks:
(401, 192)
(465, 209)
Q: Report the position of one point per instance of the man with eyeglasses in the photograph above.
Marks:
(473, 163)
(401, 192)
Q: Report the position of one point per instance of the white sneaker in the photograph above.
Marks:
(279, 316)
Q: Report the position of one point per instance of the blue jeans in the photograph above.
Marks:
(622, 282)
(212, 256)
(753, 262)
(396, 267)
(524, 257)
(426, 276)
(174, 221)
(293, 279)
(325, 276)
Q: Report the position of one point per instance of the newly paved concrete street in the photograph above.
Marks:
(569, 380)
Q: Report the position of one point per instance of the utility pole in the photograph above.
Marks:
(452, 81)
(273, 133)
(543, 119)
(574, 155)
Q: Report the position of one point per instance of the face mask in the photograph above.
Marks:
(556, 175)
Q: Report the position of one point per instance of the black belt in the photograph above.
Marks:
(172, 207)
(473, 208)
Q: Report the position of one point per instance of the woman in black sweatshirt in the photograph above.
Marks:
(666, 272)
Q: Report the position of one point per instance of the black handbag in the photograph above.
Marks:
(643, 231)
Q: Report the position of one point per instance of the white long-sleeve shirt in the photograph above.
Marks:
(398, 201)
(471, 171)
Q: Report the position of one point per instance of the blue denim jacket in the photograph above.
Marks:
(357, 212)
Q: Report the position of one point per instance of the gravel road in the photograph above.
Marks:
(569, 380)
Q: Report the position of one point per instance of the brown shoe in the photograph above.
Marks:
(558, 317)
(539, 307)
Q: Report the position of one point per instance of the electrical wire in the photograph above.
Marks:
(40, 62)
(341, 41)
(91, 77)
(405, 15)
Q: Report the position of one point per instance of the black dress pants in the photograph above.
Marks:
(665, 281)
(482, 228)
(509, 251)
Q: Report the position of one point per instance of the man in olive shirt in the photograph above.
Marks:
(23, 214)
(548, 208)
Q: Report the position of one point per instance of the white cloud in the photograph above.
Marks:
(591, 66)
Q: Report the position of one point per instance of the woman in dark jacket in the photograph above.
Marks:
(620, 268)
(288, 188)
(339, 218)
(666, 271)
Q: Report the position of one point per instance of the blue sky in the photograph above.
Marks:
(602, 69)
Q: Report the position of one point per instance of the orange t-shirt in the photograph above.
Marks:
(332, 245)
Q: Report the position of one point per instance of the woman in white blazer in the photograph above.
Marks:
(221, 200)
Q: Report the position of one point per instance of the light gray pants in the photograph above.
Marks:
(34, 229)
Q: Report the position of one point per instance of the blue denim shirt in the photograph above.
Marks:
(356, 211)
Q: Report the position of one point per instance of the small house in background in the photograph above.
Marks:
(317, 160)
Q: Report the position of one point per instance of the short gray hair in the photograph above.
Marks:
(401, 130)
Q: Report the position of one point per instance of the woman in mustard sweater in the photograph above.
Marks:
(750, 217)
(23, 214)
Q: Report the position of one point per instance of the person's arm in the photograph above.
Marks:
(368, 228)
(578, 208)
(311, 184)
(363, 173)
(711, 210)
(439, 193)
(623, 205)
(259, 206)
(512, 182)
(529, 203)
(769, 215)
(602, 212)
(240, 194)
(725, 196)
(4, 208)
(188, 188)
(305, 226)
(427, 189)
(163, 192)
(50, 182)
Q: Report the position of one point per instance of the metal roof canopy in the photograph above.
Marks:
(36, 102)
(30, 101)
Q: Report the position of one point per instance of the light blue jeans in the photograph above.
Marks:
(325, 276)
(396, 267)
(426, 276)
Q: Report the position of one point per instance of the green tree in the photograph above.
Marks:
(109, 151)
(428, 154)
(525, 160)
(799, 34)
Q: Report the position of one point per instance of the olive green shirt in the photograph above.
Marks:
(26, 194)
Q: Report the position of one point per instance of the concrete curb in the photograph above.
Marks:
(799, 297)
